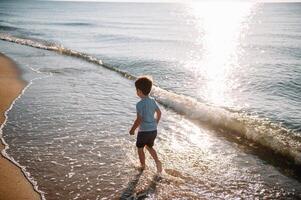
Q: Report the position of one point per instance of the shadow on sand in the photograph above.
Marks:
(129, 192)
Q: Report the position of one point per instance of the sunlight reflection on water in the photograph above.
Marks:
(221, 26)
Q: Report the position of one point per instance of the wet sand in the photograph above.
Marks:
(13, 184)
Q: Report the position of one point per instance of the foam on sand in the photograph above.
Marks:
(13, 184)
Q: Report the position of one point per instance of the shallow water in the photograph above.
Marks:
(70, 127)
(65, 132)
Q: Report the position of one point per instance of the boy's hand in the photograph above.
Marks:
(135, 125)
(132, 132)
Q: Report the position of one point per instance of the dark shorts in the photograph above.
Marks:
(146, 138)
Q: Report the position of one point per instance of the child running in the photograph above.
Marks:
(146, 121)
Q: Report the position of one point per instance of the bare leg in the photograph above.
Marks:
(153, 153)
(141, 157)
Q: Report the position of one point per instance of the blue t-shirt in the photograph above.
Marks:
(146, 108)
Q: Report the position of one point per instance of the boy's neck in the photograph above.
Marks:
(144, 96)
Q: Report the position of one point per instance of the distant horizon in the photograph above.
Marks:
(179, 1)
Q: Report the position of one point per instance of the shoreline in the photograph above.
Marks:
(13, 183)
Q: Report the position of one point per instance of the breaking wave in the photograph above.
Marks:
(282, 141)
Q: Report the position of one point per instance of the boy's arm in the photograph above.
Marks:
(136, 124)
(158, 112)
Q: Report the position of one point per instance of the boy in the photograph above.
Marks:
(146, 121)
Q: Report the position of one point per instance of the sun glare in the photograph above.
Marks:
(221, 26)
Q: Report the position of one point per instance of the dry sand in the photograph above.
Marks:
(13, 184)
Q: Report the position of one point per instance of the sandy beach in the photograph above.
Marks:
(13, 184)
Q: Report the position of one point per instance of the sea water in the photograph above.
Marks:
(219, 79)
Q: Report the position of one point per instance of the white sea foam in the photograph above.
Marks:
(4, 151)
(51, 46)
(272, 136)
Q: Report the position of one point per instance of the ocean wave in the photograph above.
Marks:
(272, 136)
(260, 131)
(72, 24)
(52, 46)
(8, 28)
(128, 38)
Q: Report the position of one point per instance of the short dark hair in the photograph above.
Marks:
(144, 84)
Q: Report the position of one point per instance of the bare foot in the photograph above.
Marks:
(159, 167)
